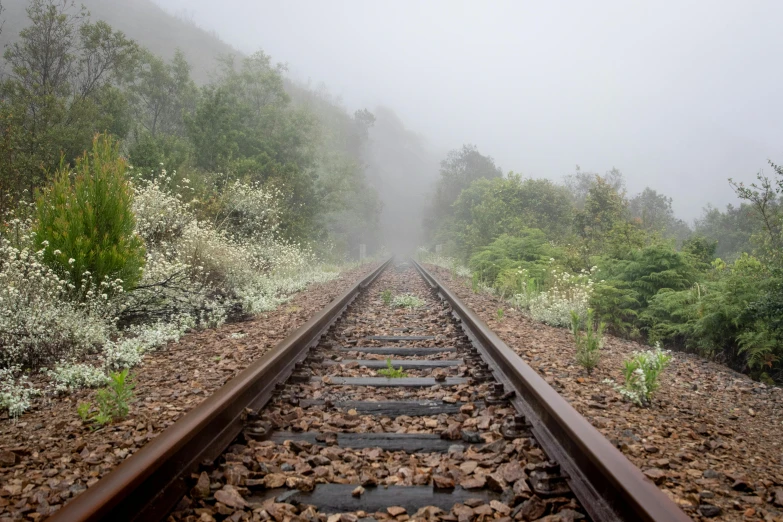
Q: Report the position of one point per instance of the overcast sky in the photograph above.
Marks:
(678, 95)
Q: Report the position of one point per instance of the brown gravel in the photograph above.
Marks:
(711, 440)
(49, 456)
(257, 476)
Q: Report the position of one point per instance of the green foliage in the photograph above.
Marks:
(764, 199)
(489, 208)
(616, 305)
(731, 229)
(604, 208)
(589, 342)
(651, 270)
(87, 223)
(460, 168)
(391, 372)
(529, 251)
(112, 402)
(62, 88)
(500, 314)
(642, 375)
(386, 296)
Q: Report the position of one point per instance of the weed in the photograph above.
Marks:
(391, 372)
(500, 314)
(641, 373)
(386, 295)
(83, 409)
(112, 402)
(407, 301)
(588, 344)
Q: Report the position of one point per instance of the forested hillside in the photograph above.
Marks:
(585, 248)
(143, 197)
(143, 21)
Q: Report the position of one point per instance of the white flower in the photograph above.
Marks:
(71, 261)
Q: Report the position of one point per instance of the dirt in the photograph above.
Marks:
(48, 456)
(711, 440)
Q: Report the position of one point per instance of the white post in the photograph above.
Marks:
(362, 251)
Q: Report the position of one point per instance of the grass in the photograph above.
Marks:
(386, 295)
(391, 372)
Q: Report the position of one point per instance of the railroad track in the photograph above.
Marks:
(465, 430)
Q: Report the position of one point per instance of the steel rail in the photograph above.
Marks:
(608, 485)
(147, 485)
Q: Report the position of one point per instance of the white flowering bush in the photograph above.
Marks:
(160, 215)
(16, 392)
(642, 375)
(39, 322)
(566, 293)
(129, 351)
(73, 376)
(197, 273)
(250, 210)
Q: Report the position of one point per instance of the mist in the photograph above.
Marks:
(679, 96)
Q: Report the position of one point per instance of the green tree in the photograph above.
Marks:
(604, 209)
(62, 86)
(86, 223)
(491, 207)
(460, 168)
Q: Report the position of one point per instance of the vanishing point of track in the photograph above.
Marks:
(470, 431)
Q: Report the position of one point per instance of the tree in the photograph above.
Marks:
(86, 225)
(491, 207)
(460, 168)
(731, 229)
(62, 86)
(579, 183)
(604, 209)
(765, 199)
(163, 94)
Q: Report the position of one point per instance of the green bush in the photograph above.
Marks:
(588, 344)
(642, 373)
(86, 224)
(616, 305)
(529, 251)
(113, 402)
(650, 270)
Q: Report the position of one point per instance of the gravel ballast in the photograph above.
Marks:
(48, 456)
(711, 439)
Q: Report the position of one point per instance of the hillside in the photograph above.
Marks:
(144, 21)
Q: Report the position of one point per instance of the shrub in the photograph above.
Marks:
(70, 376)
(15, 391)
(568, 293)
(87, 222)
(616, 305)
(589, 343)
(530, 251)
(642, 373)
(38, 323)
(113, 402)
(127, 353)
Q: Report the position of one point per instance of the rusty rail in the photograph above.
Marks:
(147, 485)
(608, 485)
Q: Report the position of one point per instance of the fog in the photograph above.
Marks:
(677, 95)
